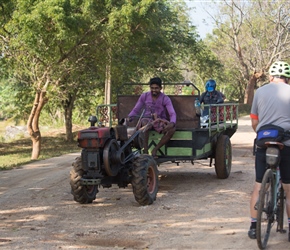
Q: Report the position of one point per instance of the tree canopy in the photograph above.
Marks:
(69, 53)
(249, 36)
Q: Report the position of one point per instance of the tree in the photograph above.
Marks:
(40, 41)
(205, 65)
(146, 38)
(49, 45)
(249, 37)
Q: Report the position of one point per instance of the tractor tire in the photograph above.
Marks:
(145, 179)
(223, 157)
(82, 194)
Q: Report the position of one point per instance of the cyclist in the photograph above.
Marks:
(271, 106)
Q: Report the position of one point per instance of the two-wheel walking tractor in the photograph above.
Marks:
(112, 151)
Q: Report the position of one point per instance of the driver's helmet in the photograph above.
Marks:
(210, 85)
(280, 69)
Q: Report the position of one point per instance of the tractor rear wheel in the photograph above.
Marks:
(223, 157)
(82, 194)
(145, 179)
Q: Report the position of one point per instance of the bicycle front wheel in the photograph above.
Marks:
(265, 216)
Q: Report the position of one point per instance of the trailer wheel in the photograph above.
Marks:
(223, 157)
(145, 179)
(82, 194)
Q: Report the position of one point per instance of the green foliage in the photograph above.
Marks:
(65, 47)
(244, 109)
(14, 98)
(248, 37)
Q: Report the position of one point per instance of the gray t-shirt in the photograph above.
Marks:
(272, 106)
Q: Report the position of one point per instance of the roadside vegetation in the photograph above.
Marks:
(17, 152)
(60, 59)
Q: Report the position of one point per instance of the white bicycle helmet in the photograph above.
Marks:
(280, 69)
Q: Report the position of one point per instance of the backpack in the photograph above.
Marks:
(269, 132)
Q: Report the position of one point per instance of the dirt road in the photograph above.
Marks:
(193, 210)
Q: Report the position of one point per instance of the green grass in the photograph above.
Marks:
(18, 152)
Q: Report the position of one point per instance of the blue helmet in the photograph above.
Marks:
(210, 85)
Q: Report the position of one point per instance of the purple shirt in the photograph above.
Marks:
(159, 106)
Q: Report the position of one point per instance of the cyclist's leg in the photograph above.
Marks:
(287, 193)
(260, 168)
(280, 211)
(285, 176)
(254, 199)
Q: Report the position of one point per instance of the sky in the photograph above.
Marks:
(200, 17)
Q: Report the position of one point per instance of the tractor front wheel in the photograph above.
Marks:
(145, 179)
(82, 194)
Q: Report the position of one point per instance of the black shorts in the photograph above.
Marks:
(260, 164)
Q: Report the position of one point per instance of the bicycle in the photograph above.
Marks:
(270, 205)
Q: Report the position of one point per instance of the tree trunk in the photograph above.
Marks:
(108, 88)
(68, 110)
(108, 84)
(68, 125)
(249, 93)
(33, 122)
(36, 145)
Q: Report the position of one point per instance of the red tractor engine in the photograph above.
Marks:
(109, 157)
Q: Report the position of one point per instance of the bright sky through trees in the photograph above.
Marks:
(199, 16)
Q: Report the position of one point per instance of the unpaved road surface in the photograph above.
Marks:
(193, 210)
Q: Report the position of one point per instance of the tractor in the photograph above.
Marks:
(112, 153)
